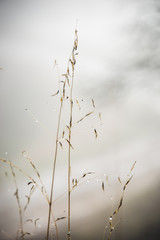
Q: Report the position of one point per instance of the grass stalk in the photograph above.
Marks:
(73, 62)
(54, 167)
(18, 201)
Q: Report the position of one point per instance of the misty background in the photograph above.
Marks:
(118, 67)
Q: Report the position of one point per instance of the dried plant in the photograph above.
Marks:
(18, 201)
(35, 185)
(67, 84)
(72, 60)
(110, 223)
(55, 155)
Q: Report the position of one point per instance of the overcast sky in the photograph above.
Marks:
(117, 66)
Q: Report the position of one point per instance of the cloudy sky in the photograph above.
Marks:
(118, 67)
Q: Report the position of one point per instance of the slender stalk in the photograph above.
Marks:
(73, 62)
(54, 167)
(69, 161)
(18, 201)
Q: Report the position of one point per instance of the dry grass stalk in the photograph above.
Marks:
(110, 223)
(54, 164)
(73, 62)
(18, 201)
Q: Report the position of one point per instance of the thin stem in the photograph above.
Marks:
(18, 201)
(54, 167)
(73, 62)
(69, 160)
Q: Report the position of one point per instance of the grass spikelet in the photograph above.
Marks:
(67, 78)
(73, 181)
(29, 183)
(100, 118)
(55, 63)
(84, 117)
(76, 182)
(132, 167)
(29, 197)
(88, 173)
(78, 104)
(69, 144)
(103, 186)
(63, 133)
(119, 179)
(60, 218)
(107, 179)
(127, 183)
(95, 132)
(35, 222)
(93, 104)
(55, 94)
(60, 144)
(31, 188)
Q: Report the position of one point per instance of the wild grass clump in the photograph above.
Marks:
(65, 85)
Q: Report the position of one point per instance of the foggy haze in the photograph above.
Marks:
(118, 67)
